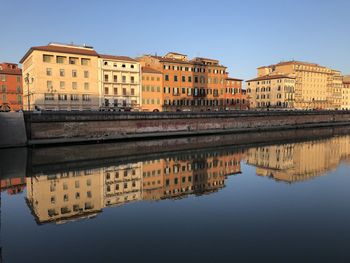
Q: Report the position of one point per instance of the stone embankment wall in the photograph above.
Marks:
(74, 127)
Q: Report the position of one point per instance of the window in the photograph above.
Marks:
(175, 78)
(49, 96)
(49, 84)
(115, 91)
(19, 98)
(88, 182)
(18, 78)
(123, 79)
(3, 77)
(73, 61)
(85, 61)
(86, 74)
(62, 84)
(132, 66)
(115, 78)
(89, 194)
(74, 97)
(86, 97)
(48, 72)
(62, 73)
(3, 88)
(62, 96)
(166, 77)
(132, 79)
(195, 79)
(123, 66)
(132, 91)
(124, 91)
(74, 85)
(4, 97)
(60, 60)
(47, 58)
(106, 90)
(86, 85)
(53, 200)
(74, 73)
(183, 79)
(106, 78)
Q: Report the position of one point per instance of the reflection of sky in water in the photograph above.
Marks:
(251, 218)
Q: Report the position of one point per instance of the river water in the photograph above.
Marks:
(276, 202)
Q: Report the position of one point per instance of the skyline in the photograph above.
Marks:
(267, 32)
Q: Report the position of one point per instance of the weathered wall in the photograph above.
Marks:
(12, 130)
(63, 127)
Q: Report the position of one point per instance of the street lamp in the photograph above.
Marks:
(28, 81)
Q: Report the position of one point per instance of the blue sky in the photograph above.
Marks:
(243, 35)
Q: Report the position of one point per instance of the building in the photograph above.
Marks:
(197, 84)
(119, 82)
(315, 85)
(11, 87)
(61, 77)
(235, 97)
(337, 90)
(152, 90)
(65, 196)
(345, 104)
(271, 91)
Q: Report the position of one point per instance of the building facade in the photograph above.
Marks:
(198, 84)
(152, 90)
(119, 82)
(10, 87)
(61, 77)
(345, 102)
(314, 84)
(271, 91)
(235, 97)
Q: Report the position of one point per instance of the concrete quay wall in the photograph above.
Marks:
(77, 127)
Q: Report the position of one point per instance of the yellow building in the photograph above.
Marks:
(345, 104)
(313, 83)
(119, 82)
(152, 89)
(65, 196)
(299, 161)
(337, 90)
(271, 91)
(60, 77)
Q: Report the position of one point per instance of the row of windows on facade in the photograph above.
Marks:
(62, 73)
(268, 89)
(268, 104)
(193, 69)
(66, 210)
(4, 78)
(278, 96)
(192, 91)
(66, 197)
(63, 60)
(64, 97)
(126, 185)
(264, 82)
(4, 89)
(150, 101)
(197, 79)
(116, 174)
(150, 78)
(5, 98)
(65, 185)
(193, 103)
(115, 65)
(189, 180)
(74, 85)
(151, 88)
(115, 79)
(124, 91)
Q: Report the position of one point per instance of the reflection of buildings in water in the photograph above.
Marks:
(13, 185)
(122, 184)
(65, 196)
(82, 194)
(188, 174)
(299, 161)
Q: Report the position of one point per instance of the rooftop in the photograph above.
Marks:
(268, 77)
(112, 57)
(60, 48)
(150, 70)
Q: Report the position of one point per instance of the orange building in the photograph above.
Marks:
(13, 185)
(11, 87)
(235, 97)
(197, 84)
(152, 89)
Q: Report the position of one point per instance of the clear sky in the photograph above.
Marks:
(243, 35)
